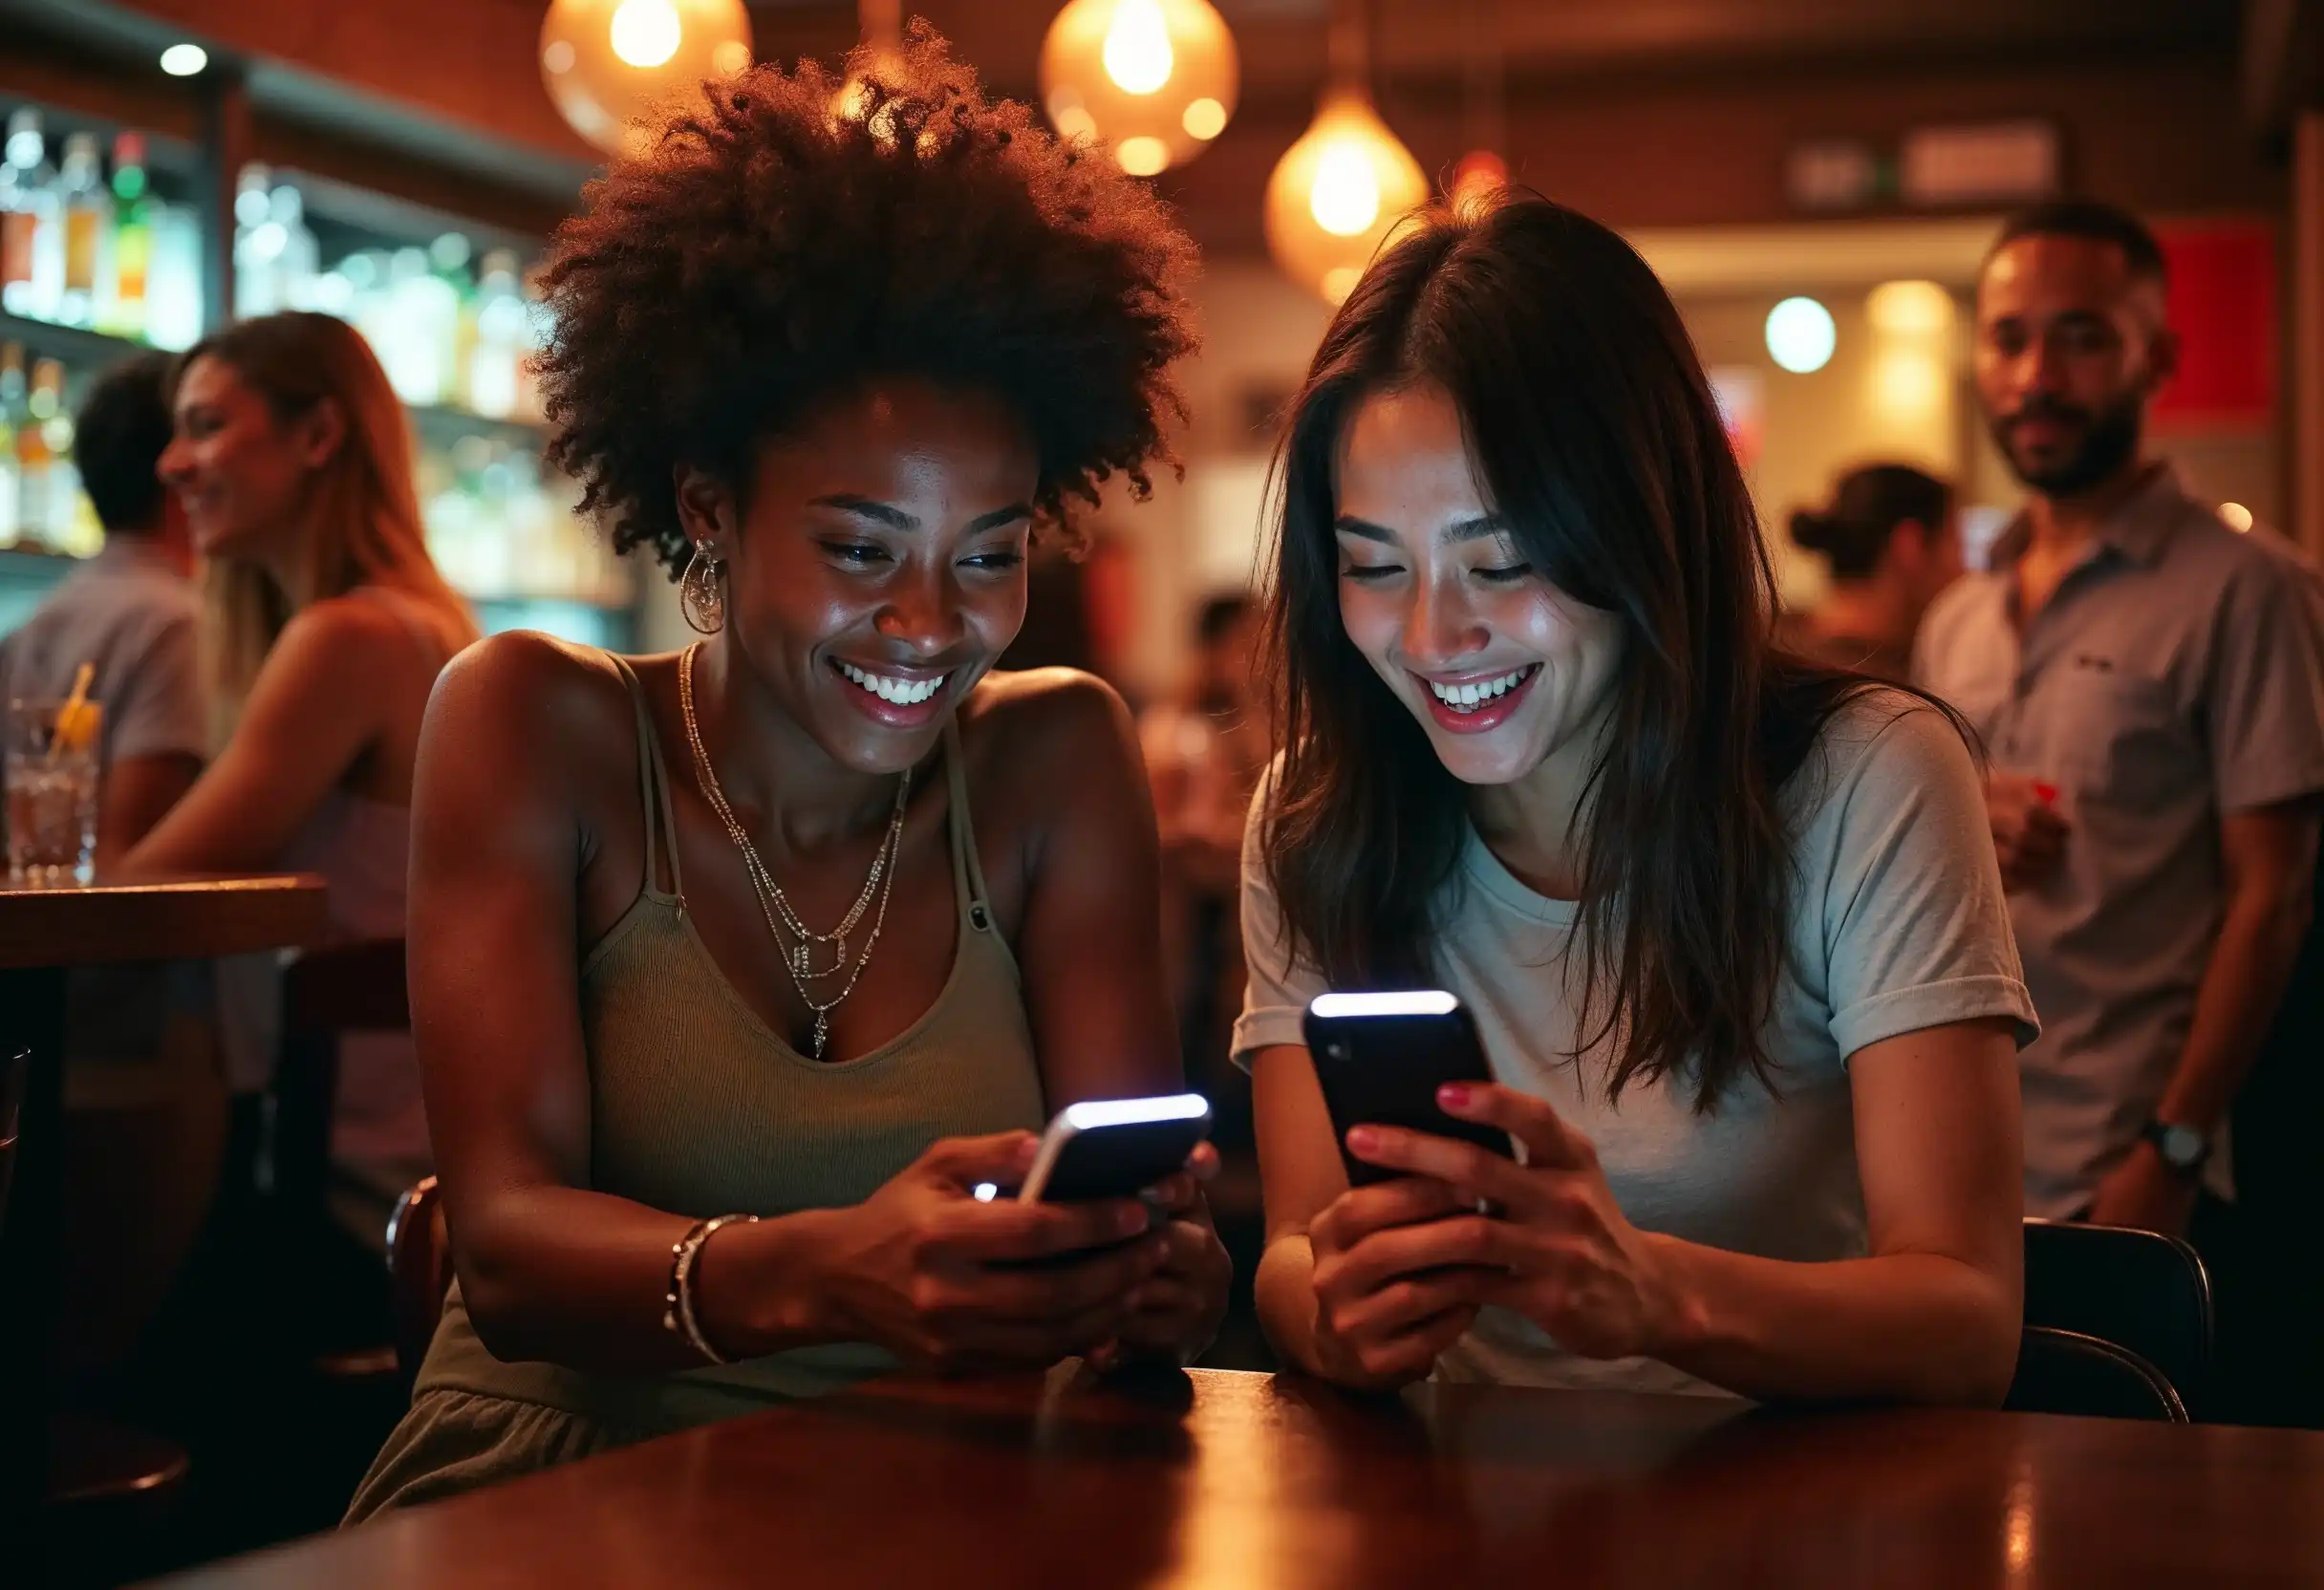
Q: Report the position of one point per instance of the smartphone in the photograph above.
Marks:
(1380, 1058)
(1115, 1148)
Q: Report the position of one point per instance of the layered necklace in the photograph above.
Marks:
(803, 950)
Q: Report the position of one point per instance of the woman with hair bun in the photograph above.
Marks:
(1892, 542)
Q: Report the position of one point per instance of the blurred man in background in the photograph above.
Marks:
(130, 611)
(2151, 687)
(145, 1112)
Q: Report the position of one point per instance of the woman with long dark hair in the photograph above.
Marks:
(1729, 925)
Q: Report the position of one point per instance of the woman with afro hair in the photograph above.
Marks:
(735, 973)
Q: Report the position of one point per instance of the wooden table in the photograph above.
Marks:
(1250, 1481)
(44, 933)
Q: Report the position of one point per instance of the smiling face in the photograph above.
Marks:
(242, 473)
(876, 569)
(1501, 668)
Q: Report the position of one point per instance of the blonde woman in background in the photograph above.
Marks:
(325, 626)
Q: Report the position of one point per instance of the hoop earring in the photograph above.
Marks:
(702, 594)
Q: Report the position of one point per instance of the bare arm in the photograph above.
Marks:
(1091, 945)
(517, 731)
(317, 704)
(2270, 860)
(2269, 857)
(1931, 1314)
(1299, 1177)
(139, 792)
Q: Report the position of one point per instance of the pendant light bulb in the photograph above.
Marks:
(1338, 194)
(618, 69)
(1151, 82)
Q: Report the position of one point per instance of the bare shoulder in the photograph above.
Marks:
(533, 688)
(343, 632)
(1050, 742)
(1045, 718)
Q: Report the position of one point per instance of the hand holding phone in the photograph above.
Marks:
(1115, 1148)
(1380, 1059)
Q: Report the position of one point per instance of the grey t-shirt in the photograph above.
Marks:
(134, 617)
(1897, 924)
(2175, 676)
(130, 613)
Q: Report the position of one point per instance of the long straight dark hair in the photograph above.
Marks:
(1596, 436)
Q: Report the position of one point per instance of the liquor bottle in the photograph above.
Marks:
(500, 338)
(122, 302)
(449, 257)
(173, 283)
(297, 264)
(34, 471)
(423, 312)
(61, 500)
(88, 215)
(11, 414)
(35, 241)
(258, 246)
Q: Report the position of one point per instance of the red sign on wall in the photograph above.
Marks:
(2222, 291)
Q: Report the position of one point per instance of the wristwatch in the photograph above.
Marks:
(2184, 1149)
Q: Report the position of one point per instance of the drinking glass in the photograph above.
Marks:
(51, 775)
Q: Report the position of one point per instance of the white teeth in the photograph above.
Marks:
(1469, 697)
(902, 693)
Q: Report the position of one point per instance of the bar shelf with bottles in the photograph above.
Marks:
(100, 258)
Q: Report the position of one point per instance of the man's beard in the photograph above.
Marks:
(2109, 440)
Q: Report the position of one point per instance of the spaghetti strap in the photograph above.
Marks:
(653, 786)
(967, 871)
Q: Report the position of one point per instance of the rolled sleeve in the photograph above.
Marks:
(2264, 701)
(1916, 928)
(1280, 980)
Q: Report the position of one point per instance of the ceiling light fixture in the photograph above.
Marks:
(1345, 186)
(617, 69)
(1153, 81)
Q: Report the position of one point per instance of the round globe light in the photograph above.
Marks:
(1139, 75)
(618, 69)
(1800, 335)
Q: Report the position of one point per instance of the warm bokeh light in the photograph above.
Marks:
(1137, 53)
(645, 33)
(1909, 385)
(2235, 516)
(615, 69)
(184, 60)
(1800, 335)
(1204, 119)
(1142, 157)
(1337, 193)
(1140, 75)
(1345, 198)
(1909, 309)
(1477, 179)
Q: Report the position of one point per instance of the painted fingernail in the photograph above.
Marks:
(1362, 1140)
(1454, 1095)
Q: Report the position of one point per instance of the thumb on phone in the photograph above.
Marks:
(1003, 1156)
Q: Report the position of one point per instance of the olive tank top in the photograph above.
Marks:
(698, 1108)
